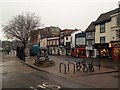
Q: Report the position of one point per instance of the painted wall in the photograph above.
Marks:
(107, 34)
(68, 40)
(110, 30)
(114, 26)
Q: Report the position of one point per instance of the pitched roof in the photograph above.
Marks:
(105, 17)
(49, 32)
(68, 32)
(91, 27)
(78, 35)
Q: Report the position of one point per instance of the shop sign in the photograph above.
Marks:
(116, 44)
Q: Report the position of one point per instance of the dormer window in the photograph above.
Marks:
(102, 28)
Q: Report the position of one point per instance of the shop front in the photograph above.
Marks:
(89, 51)
(53, 50)
(115, 45)
(104, 50)
(105, 53)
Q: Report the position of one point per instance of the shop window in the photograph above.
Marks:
(105, 53)
(102, 28)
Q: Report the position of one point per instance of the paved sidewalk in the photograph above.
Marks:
(96, 79)
(56, 69)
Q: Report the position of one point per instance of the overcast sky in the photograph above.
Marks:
(67, 14)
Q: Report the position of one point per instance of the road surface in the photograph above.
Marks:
(17, 75)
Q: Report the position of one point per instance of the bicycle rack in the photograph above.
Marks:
(72, 64)
(64, 67)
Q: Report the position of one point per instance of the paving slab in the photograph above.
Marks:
(56, 69)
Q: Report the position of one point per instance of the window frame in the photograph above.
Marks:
(101, 38)
(118, 33)
(67, 38)
(118, 20)
(102, 28)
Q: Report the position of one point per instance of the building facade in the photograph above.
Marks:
(73, 38)
(90, 40)
(79, 50)
(50, 39)
(106, 31)
(115, 42)
(34, 37)
(67, 40)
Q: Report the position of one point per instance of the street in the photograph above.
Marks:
(17, 75)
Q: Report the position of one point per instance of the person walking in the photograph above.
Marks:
(22, 54)
(17, 51)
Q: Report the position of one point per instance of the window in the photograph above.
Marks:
(118, 20)
(50, 42)
(54, 42)
(68, 44)
(80, 41)
(66, 38)
(57, 42)
(89, 43)
(102, 28)
(118, 34)
(102, 39)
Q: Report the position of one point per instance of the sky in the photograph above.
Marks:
(66, 14)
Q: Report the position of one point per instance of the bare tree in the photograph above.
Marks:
(20, 27)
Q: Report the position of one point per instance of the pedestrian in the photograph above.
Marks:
(17, 51)
(78, 53)
(22, 54)
(78, 64)
(58, 52)
(99, 65)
